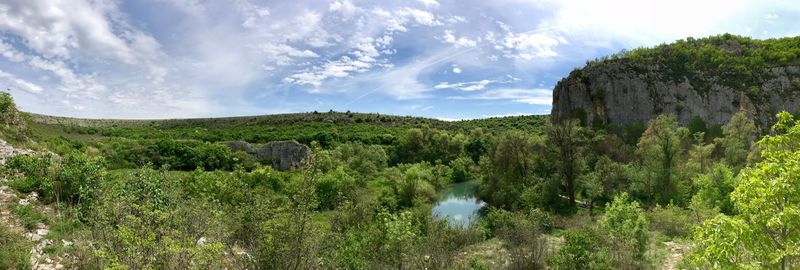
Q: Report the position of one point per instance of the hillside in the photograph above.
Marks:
(710, 79)
(303, 127)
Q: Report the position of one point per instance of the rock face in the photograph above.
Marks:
(285, 155)
(619, 93)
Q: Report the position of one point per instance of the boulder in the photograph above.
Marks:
(285, 155)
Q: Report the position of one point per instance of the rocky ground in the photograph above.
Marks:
(9, 199)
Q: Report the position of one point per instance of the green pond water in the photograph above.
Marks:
(458, 204)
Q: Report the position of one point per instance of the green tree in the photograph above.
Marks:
(510, 167)
(766, 231)
(700, 155)
(715, 187)
(738, 136)
(660, 149)
(568, 139)
(625, 227)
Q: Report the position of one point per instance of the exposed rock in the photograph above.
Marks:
(617, 92)
(241, 146)
(7, 150)
(285, 155)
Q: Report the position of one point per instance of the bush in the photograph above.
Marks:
(625, 227)
(333, 188)
(14, 250)
(30, 173)
(670, 220)
(582, 249)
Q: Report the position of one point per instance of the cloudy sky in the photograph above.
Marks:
(434, 58)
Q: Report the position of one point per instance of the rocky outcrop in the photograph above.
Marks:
(284, 155)
(617, 92)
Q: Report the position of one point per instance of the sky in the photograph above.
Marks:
(432, 58)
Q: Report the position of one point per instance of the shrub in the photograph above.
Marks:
(625, 227)
(671, 220)
(30, 173)
(582, 249)
(14, 250)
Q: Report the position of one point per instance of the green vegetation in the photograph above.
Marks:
(174, 194)
(738, 62)
(14, 249)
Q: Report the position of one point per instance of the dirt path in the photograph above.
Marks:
(9, 199)
(676, 252)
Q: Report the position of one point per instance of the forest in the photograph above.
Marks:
(554, 196)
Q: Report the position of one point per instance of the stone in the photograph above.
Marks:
(616, 92)
(285, 155)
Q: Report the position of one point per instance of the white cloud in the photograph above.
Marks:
(456, 70)
(284, 54)
(520, 95)
(648, 23)
(361, 59)
(465, 86)
(252, 14)
(345, 7)
(366, 52)
(398, 19)
(10, 53)
(57, 28)
(527, 45)
(429, 3)
(458, 42)
(20, 83)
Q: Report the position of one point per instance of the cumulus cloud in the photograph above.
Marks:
(458, 42)
(56, 28)
(429, 3)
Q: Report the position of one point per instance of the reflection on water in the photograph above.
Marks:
(458, 204)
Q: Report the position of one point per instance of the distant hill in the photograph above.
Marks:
(706, 79)
(303, 127)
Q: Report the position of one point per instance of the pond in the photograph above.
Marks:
(458, 204)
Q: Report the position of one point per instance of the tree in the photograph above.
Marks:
(700, 155)
(603, 182)
(715, 187)
(766, 231)
(738, 136)
(568, 139)
(626, 229)
(660, 148)
(509, 168)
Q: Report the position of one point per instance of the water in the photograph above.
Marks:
(458, 204)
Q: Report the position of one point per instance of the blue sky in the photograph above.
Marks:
(432, 58)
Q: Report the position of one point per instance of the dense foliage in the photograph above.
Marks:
(172, 195)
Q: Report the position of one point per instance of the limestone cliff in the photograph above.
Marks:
(677, 79)
(284, 155)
